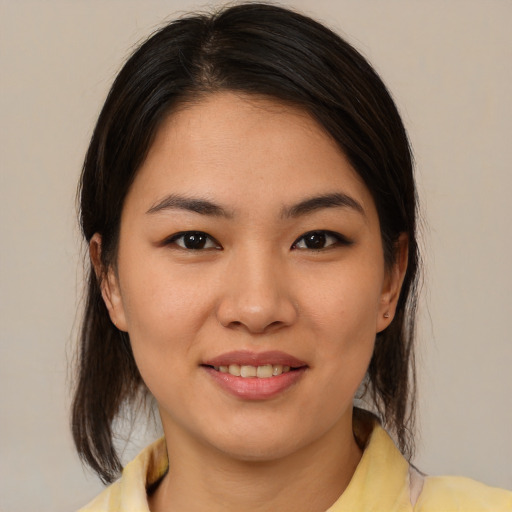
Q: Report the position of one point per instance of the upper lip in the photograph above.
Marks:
(248, 358)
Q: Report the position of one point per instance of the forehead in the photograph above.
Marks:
(242, 150)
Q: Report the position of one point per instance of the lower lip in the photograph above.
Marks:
(254, 388)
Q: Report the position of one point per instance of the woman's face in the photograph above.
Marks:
(249, 245)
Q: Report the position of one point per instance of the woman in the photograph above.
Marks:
(249, 204)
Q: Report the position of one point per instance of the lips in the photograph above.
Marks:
(255, 376)
(247, 371)
(247, 358)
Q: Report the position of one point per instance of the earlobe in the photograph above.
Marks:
(393, 284)
(109, 284)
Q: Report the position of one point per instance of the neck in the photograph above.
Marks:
(310, 479)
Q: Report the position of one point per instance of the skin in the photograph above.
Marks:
(256, 287)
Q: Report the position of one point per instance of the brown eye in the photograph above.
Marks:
(318, 240)
(315, 240)
(194, 241)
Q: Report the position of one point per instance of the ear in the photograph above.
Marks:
(393, 284)
(109, 284)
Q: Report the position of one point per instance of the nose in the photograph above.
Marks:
(257, 295)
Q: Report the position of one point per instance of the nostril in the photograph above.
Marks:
(236, 324)
(257, 315)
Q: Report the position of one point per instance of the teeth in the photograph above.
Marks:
(234, 369)
(277, 369)
(263, 372)
(248, 371)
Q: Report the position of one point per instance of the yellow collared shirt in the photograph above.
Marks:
(382, 482)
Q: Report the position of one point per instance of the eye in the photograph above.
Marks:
(193, 241)
(318, 240)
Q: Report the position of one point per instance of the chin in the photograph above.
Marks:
(260, 444)
(257, 452)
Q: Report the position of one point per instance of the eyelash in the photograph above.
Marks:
(338, 240)
(208, 242)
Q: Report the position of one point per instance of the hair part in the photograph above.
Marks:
(255, 49)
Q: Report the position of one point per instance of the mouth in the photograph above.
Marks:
(247, 364)
(255, 376)
(265, 371)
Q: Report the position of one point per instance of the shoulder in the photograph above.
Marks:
(108, 500)
(454, 493)
(129, 493)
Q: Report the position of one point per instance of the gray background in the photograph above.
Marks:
(447, 64)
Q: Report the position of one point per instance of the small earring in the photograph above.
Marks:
(386, 314)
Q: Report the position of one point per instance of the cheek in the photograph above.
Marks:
(164, 309)
(342, 312)
(344, 299)
(155, 289)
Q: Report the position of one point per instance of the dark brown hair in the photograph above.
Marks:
(255, 49)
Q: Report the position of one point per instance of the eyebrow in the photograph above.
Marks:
(207, 207)
(197, 205)
(335, 200)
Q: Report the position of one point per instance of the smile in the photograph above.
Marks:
(250, 375)
(248, 371)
